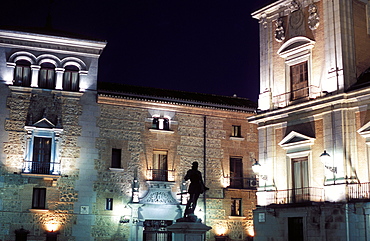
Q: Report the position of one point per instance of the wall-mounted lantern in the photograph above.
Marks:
(328, 162)
(257, 169)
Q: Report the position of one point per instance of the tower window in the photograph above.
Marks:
(71, 78)
(22, 73)
(47, 76)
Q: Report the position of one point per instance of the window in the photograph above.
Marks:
(42, 149)
(236, 131)
(236, 207)
(236, 172)
(41, 155)
(159, 171)
(300, 179)
(71, 78)
(22, 73)
(299, 80)
(38, 198)
(47, 76)
(116, 158)
(109, 204)
(161, 123)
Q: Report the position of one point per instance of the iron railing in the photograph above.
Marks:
(284, 99)
(48, 168)
(243, 182)
(358, 191)
(297, 195)
(161, 175)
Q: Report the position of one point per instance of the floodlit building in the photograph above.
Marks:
(82, 160)
(314, 121)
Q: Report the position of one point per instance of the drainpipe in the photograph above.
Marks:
(204, 164)
(347, 223)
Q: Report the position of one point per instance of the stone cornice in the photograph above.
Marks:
(191, 109)
(54, 43)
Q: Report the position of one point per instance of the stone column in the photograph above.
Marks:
(59, 78)
(35, 75)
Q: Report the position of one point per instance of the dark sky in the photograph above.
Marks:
(205, 46)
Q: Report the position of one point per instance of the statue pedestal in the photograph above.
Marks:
(189, 231)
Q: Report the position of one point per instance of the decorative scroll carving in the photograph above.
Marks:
(279, 32)
(313, 17)
(159, 197)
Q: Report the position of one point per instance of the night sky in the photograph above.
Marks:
(205, 46)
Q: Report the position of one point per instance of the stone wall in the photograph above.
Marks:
(27, 107)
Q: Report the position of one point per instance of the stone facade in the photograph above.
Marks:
(91, 164)
(313, 137)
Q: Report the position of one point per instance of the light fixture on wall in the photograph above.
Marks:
(257, 169)
(328, 162)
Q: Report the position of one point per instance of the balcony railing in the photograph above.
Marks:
(243, 183)
(47, 168)
(161, 175)
(358, 191)
(298, 195)
(284, 99)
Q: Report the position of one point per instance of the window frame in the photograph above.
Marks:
(236, 166)
(236, 207)
(54, 135)
(236, 131)
(21, 64)
(116, 158)
(47, 83)
(69, 72)
(39, 196)
(159, 169)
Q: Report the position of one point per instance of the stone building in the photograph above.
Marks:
(313, 122)
(83, 160)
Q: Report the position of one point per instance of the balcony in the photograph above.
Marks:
(298, 195)
(243, 183)
(283, 100)
(43, 168)
(358, 191)
(161, 175)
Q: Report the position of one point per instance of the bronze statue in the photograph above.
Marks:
(195, 189)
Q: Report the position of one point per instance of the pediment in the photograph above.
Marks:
(295, 139)
(295, 45)
(44, 123)
(365, 130)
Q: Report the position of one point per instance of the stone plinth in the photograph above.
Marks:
(189, 231)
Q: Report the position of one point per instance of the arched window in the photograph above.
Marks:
(47, 76)
(71, 78)
(22, 73)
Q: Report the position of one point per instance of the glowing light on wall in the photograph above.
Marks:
(171, 175)
(221, 230)
(52, 225)
(225, 181)
(250, 231)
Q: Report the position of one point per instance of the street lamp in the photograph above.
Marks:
(257, 169)
(327, 161)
